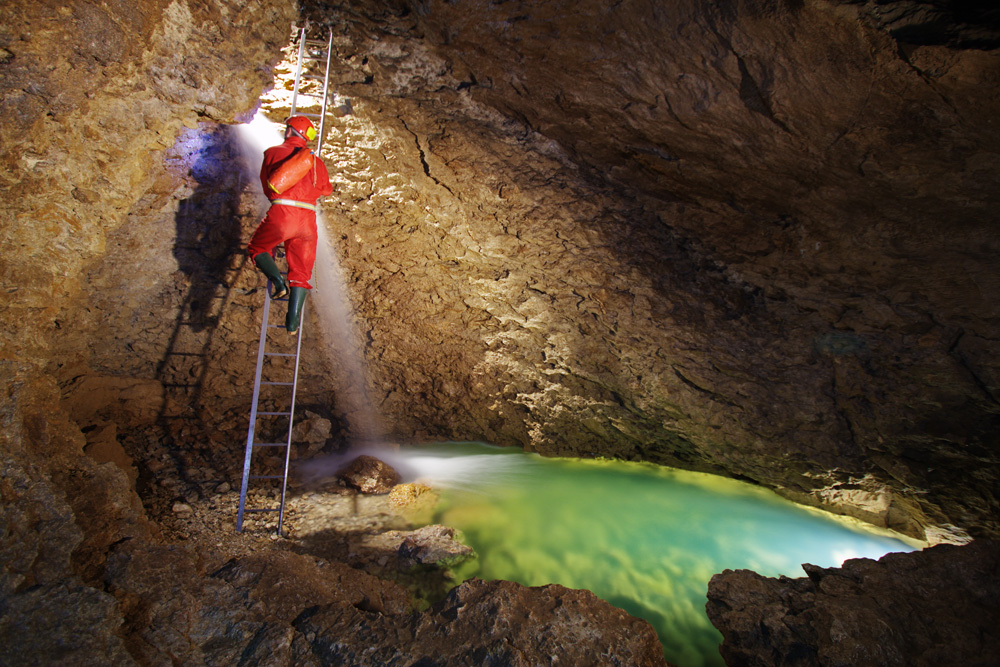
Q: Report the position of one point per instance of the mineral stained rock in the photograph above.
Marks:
(369, 475)
(483, 623)
(940, 606)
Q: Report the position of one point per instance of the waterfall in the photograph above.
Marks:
(329, 298)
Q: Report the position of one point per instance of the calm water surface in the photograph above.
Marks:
(644, 538)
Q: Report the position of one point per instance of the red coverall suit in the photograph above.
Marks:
(289, 224)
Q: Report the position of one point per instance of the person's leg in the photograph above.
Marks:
(301, 259)
(265, 262)
(301, 253)
(296, 300)
(268, 235)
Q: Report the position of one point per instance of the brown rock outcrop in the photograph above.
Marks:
(940, 606)
(483, 623)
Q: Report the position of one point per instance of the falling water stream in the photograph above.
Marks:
(643, 537)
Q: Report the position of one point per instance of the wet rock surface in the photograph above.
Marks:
(940, 606)
(369, 475)
(427, 545)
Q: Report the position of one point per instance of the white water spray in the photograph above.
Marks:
(437, 466)
(255, 137)
(329, 297)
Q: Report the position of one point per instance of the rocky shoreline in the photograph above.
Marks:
(939, 606)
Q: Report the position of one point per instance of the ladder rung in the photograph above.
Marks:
(270, 444)
(312, 77)
(278, 354)
(311, 115)
(268, 510)
(266, 477)
(276, 326)
(279, 384)
(282, 414)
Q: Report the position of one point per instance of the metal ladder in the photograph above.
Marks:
(256, 414)
(318, 51)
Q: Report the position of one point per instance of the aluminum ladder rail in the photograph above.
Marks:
(318, 51)
(255, 414)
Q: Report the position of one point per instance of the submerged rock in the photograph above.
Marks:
(934, 607)
(430, 545)
(369, 475)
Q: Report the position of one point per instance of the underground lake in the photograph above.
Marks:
(643, 537)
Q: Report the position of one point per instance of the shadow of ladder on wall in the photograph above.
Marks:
(318, 52)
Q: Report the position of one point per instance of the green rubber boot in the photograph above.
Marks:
(295, 302)
(266, 264)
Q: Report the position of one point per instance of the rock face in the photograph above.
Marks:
(483, 623)
(705, 235)
(428, 545)
(937, 607)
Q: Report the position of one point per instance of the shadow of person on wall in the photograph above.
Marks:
(208, 249)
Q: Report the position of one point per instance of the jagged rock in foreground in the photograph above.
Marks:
(940, 606)
(489, 623)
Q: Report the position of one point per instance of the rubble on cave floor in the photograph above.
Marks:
(194, 502)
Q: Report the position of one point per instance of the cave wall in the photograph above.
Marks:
(752, 238)
(756, 238)
(91, 97)
(762, 248)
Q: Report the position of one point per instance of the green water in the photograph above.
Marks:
(644, 538)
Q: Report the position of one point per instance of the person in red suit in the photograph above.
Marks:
(293, 180)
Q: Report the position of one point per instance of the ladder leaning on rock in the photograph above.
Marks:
(319, 52)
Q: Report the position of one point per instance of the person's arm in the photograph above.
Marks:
(323, 179)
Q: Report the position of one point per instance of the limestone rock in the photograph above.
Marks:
(313, 430)
(285, 584)
(369, 475)
(932, 607)
(483, 623)
(65, 623)
(414, 500)
(174, 613)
